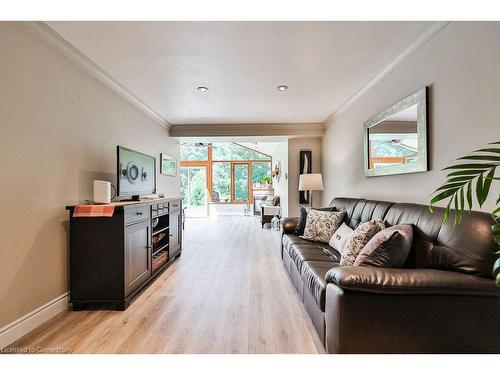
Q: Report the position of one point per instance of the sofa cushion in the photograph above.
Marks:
(301, 225)
(305, 253)
(362, 234)
(389, 248)
(300, 251)
(313, 274)
(340, 237)
(321, 225)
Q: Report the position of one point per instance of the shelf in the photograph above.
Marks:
(159, 231)
(159, 260)
(160, 249)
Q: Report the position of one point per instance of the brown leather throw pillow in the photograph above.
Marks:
(389, 248)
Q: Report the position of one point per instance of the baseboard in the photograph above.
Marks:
(24, 325)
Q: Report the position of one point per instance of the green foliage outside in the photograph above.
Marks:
(241, 182)
(233, 151)
(261, 171)
(190, 152)
(221, 180)
(196, 189)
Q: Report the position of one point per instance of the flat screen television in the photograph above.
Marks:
(136, 175)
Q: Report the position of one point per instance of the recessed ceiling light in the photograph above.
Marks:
(282, 88)
(202, 89)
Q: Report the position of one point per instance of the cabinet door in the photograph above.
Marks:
(137, 255)
(174, 224)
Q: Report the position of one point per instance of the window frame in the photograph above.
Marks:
(209, 164)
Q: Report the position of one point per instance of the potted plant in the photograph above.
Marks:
(267, 181)
(474, 173)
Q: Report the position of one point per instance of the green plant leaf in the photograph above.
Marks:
(486, 186)
(496, 228)
(460, 179)
(462, 202)
(465, 172)
(447, 211)
(493, 150)
(471, 166)
(450, 186)
(497, 239)
(495, 212)
(469, 195)
(479, 190)
(496, 268)
(456, 211)
(481, 157)
(441, 196)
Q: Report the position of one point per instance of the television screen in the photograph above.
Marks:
(136, 173)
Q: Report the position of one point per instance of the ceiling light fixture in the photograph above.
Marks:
(202, 89)
(282, 88)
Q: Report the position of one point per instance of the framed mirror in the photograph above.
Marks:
(395, 140)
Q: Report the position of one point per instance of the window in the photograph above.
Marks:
(261, 172)
(228, 171)
(194, 152)
(241, 182)
(234, 151)
(221, 181)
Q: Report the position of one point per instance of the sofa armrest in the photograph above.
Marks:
(410, 281)
(288, 225)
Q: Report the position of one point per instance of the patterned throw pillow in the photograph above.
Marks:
(362, 234)
(320, 225)
(301, 225)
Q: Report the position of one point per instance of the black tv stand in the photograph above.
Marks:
(112, 259)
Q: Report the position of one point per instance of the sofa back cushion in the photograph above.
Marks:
(467, 247)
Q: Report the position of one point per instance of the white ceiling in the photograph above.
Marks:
(323, 63)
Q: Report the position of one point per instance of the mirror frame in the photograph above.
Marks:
(421, 164)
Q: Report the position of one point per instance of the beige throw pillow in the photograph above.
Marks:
(340, 237)
(320, 225)
(362, 234)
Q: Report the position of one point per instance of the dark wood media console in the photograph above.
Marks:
(114, 258)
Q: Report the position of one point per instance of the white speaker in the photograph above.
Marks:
(102, 191)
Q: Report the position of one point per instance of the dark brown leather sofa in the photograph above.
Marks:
(444, 301)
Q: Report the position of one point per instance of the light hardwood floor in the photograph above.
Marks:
(228, 293)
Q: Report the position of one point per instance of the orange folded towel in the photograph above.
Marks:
(93, 210)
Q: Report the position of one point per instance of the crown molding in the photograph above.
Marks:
(418, 40)
(55, 40)
(248, 130)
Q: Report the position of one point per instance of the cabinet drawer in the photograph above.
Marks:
(175, 206)
(134, 214)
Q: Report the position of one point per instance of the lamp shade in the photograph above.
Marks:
(311, 181)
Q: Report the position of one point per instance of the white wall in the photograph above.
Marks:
(461, 66)
(281, 187)
(59, 128)
(295, 145)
